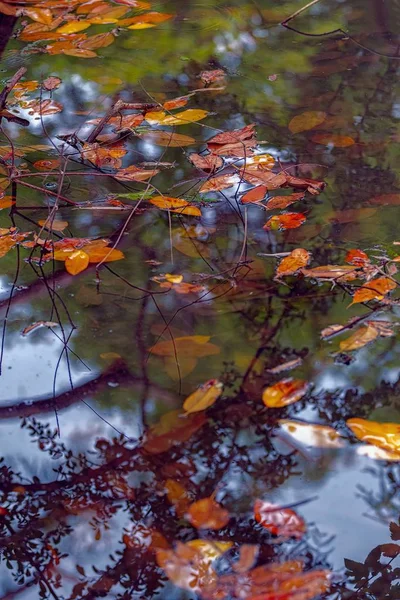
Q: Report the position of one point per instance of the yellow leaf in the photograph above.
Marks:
(191, 115)
(6, 202)
(98, 254)
(173, 278)
(168, 139)
(297, 259)
(175, 205)
(203, 397)
(76, 262)
(284, 392)
(73, 27)
(359, 338)
(53, 225)
(307, 120)
(383, 435)
(327, 139)
(374, 290)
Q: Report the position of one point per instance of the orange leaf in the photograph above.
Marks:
(209, 162)
(98, 254)
(284, 392)
(283, 201)
(216, 184)
(327, 139)
(208, 514)
(169, 139)
(203, 397)
(173, 428)
(76, 262)
(178, 496)
(176, 205)
(53, 225)
(374, 290)
(133, 173)
(6, 202)
(361, 337)
(383, 435)
(279, 521)
(358, 258)
(297, 259)
(47, 165)
(285, 221)
(176, 103)
(254, 195)
(307, 120)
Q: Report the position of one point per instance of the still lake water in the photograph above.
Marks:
(74, 499)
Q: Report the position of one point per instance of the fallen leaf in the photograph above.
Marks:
(178, 496)
(176, 205)
(382, 435)
(6, 202)
(361, 337)
(76, 262)
(248, 554)
(38, 325)
(73, 26)
(51, 83)
(47, 165)
(204, 397)
(53, 225)
(231, 137)
(133, 173)
(208, 162)
(283, 201)
(256, 194)
(167, 138)
(297, 259)
(216, 184)
(173, 428)
(194, 345)
(286, 366)
(358, 258)
(176, 103)
(285, 221)
(373, 290)
(207, 514)
(279, 521)
(332, 272)
(327, 139)
(284, 392)
(213, 76)
(307, 120)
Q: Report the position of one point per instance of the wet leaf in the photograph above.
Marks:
(231, 137)
(263, 161)
(207, 514)
(76, 262)
(247, 557)
(105, 254)
(289, 265)
(284, 392)
(216, 184)
(38, 325)
(358, 258)
(43, 107)
(191, 115)
(283, 201)
(204, 397)
(256, 194)
(195, 345)
(73, 26)
(328, 139)
(47, 165)
(6, 202)
(382, 435)
(133, 173)
(51, 83)
(216, 75)
(286, 366)
(285, 221)
(332, 272)
(174, 427)
(307, 120)
(279, 521)
(167, 138)
(176, 103)
(373, 290)
(310, 434)
(361, 337)
(176, 205)
(208, 162)
(53, 225)
(178, 496)
(150, 19)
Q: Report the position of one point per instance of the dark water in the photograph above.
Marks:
(81, 507)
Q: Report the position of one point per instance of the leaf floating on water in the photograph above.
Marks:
(178, 496)
(191, 115)
(38, 325)
(358, 258)
(133, 173)
(105, 254)
(256, 194)
(6, 202)
(53, 225)
(332, 272)
(284, 392)
(279, 521)
(216, 184)
(51, 83)
(382, 435)
(286, 366)
(374, 290)
(313, 435)
(361, 337)
(176, 205)
(328, 139)
(176, 103)
(208, 162)
(167, 138)
(307, 120)
(297, 259)
(285, 221)
(247, 557)
(76, 262)
(204, 397)
(283, 201)
(263, 161)
(207, 514)
(47, 165)
(194, 345)
(173, 428)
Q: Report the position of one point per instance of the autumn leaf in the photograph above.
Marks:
(256, 194)
(169, 139)
(207, 514)
(174, 427)
(327, 139)
(216, 184)
(191, 115)
(383, 435)
(374, 290)
(73, 26)
(283, 201)
(361, 337)
(358, 258)
(42, 107)
(178, 496)
(133, 173)
(332, 272)
(105, 254)
(47, 164)
(297, 259)
(263, 161)
(53, 225)
(6, 202)
(231, 137)
(213, 76)
(176, 205)
(204, 397)
(284, 392)
(285, 221)
(208, 162)
(307, 120)
(279, 521)
(176, 102)
(76, 262)
(195, 345)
